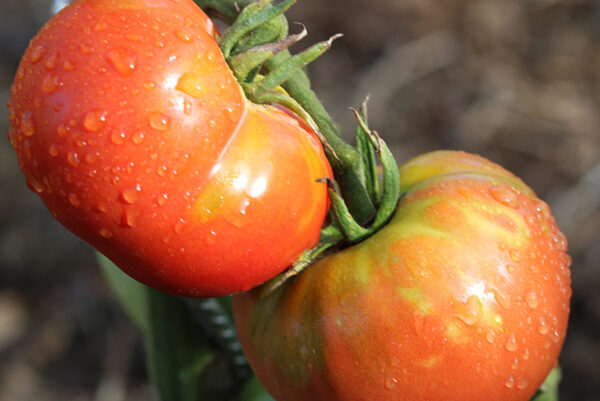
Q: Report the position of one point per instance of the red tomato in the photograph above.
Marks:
(463, 296)
(129, 125)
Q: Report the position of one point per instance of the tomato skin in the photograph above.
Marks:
(129, 125)
(463, 296)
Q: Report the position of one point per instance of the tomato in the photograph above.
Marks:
(129, 125)
(463, 296)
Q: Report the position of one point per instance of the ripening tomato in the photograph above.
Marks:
(128, 123)
(463, 296)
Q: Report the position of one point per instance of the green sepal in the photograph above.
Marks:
(279, 75)
(251, 17)
(391, 175)
(349, 227)
(368, 162)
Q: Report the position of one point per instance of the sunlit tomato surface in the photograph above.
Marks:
(131, 128)
(463, 296)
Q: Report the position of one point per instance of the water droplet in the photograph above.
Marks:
(123, 61)
(130, 218)
(162, 199)
(211, 239)
(511, 343)
(149, 85)
(471, 313)
(515, 364)
(162, 170)
(100, 26)
(391, 383)
(53, 150)
(510, 382)
(49, 83)
(27, 125)
(86, 49)
(526, 354)
(514, 255)
(74, 199)
(543, 328)
(91, 157)
(37, 54)
(34, 184)
(490, 336)
(532, 299)
(187, 107)
(184, 36)
(191, 84)
(130, 195)
(102, 207)
(94, 120)
(522, 383)
(68, 66)
(159, 121)
(556, 336)
(212, 123)
(159, 44)
(134, 37)
(117, 137)
(138, 137)
(62, 130)
(51, 61)
(178, 228)
(73, 159)
(106, 233)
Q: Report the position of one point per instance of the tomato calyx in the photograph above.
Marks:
(366, 188)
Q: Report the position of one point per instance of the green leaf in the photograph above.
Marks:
(549, 389)
(176, 348)
(254, 391)
(129, 292)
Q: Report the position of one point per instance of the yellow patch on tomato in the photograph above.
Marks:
(417, 297)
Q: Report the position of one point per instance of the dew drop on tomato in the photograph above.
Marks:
(178, 228)
(34, 185)
(117, 137)
(51, 61)
(522, 383)
(91, 157)
(62, 130)
(94, 120)
(100, 26)
(138, 137)
(543, 327)
(53, 150)
(86, 49)
(105, 233)
(37, 54)
(531, 299)
(391, 383)
(68, 65)
(159, 121)
(74, 199)
(511, 343)
(49, 83)
(129, 219)
(510, 382)
(123, 61)
(184, 36)
(73, 159)
(27, 126)
(130, 195)
(191, 84)
(102, 207)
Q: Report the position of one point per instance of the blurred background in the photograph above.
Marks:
(516, 81)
